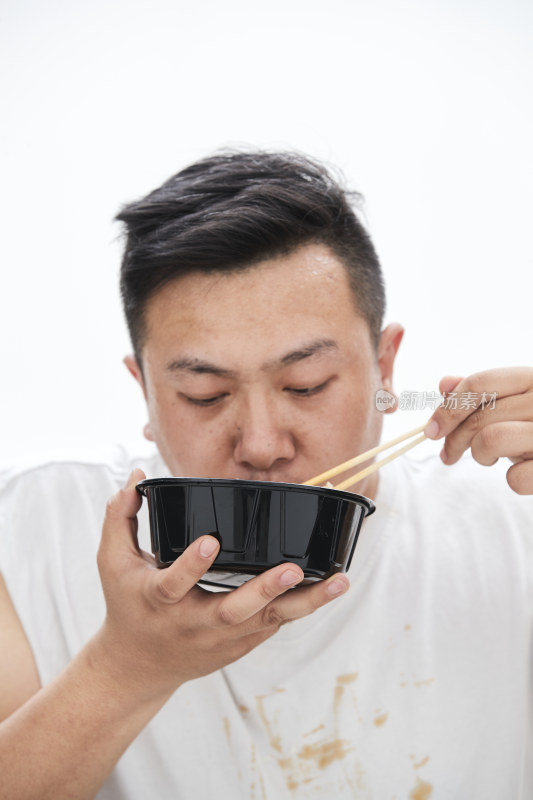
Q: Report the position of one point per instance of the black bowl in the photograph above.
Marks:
(259, 524)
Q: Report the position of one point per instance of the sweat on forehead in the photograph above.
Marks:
(198, 366)
(212, 319)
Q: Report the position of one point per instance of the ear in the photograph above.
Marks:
(389, 343)
(135, 370)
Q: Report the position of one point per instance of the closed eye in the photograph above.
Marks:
(205, 401)
(308, 391)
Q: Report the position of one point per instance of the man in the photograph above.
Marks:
(255, 302)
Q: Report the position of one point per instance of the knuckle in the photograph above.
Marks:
(165, 594)
(489, 437)
(227, 616)
(477, 421)
(266, 591)
(272, 617)
(476, 383)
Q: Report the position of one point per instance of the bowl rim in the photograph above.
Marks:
(357, 499)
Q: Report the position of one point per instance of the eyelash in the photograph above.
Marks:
(308, 392)
(207, 402)
(212, 401)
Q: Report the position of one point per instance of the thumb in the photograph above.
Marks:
(120, 521)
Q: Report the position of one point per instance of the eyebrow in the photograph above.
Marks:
(200, 367)
(308, 350)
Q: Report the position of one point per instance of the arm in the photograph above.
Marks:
(18, 673)
(491, 430)
(160, 631)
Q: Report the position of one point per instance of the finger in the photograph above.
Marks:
(305, 599)
(448, 383)
(119, 530)
(511, 439)
(473, 392)
(253, 596)
(296, 604)
(170, 585)
(520, 477)
(293, 605)
(518, 408)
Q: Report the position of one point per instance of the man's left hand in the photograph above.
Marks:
(492, 414)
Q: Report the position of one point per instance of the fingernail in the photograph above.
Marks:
(208, 546)
(444, 455)
(432, 429)
(289, 577)
(336, 586)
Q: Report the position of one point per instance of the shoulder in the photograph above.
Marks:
(466, 484)
(466, 478)
(55, 503)
(55, 474)
(465, 495)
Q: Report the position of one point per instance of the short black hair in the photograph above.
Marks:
(234, 210)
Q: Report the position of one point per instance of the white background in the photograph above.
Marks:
(425, 106)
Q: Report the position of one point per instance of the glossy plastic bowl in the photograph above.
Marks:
(259, 525)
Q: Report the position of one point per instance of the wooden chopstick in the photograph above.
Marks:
(378, 464)
(353, 462)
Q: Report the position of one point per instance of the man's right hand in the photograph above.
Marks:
(161, 629)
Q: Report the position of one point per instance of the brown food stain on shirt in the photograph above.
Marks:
(275, 741)
(418, 684)
(337, 697)
(422, 790)
(380, 720)
(302, 767)
(324, 753)
(421, 763)
(262, 787)
(315, 730)
(350, 677)
(244, 709)
(289, 766)
(260, 780)
(292, 784)
(343, 682)
(407, 627)
(227, 729)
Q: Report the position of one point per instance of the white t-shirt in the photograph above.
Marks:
(415, 684)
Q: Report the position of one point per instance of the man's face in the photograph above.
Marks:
(266, 374)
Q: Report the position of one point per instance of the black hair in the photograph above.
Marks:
(235, 209)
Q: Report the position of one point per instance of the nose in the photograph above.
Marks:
(264, 442)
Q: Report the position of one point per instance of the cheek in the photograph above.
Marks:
(353, 420)
(162, 411)
(358, 396)
(189, 445)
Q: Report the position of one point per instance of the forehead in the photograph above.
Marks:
(302, 296)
